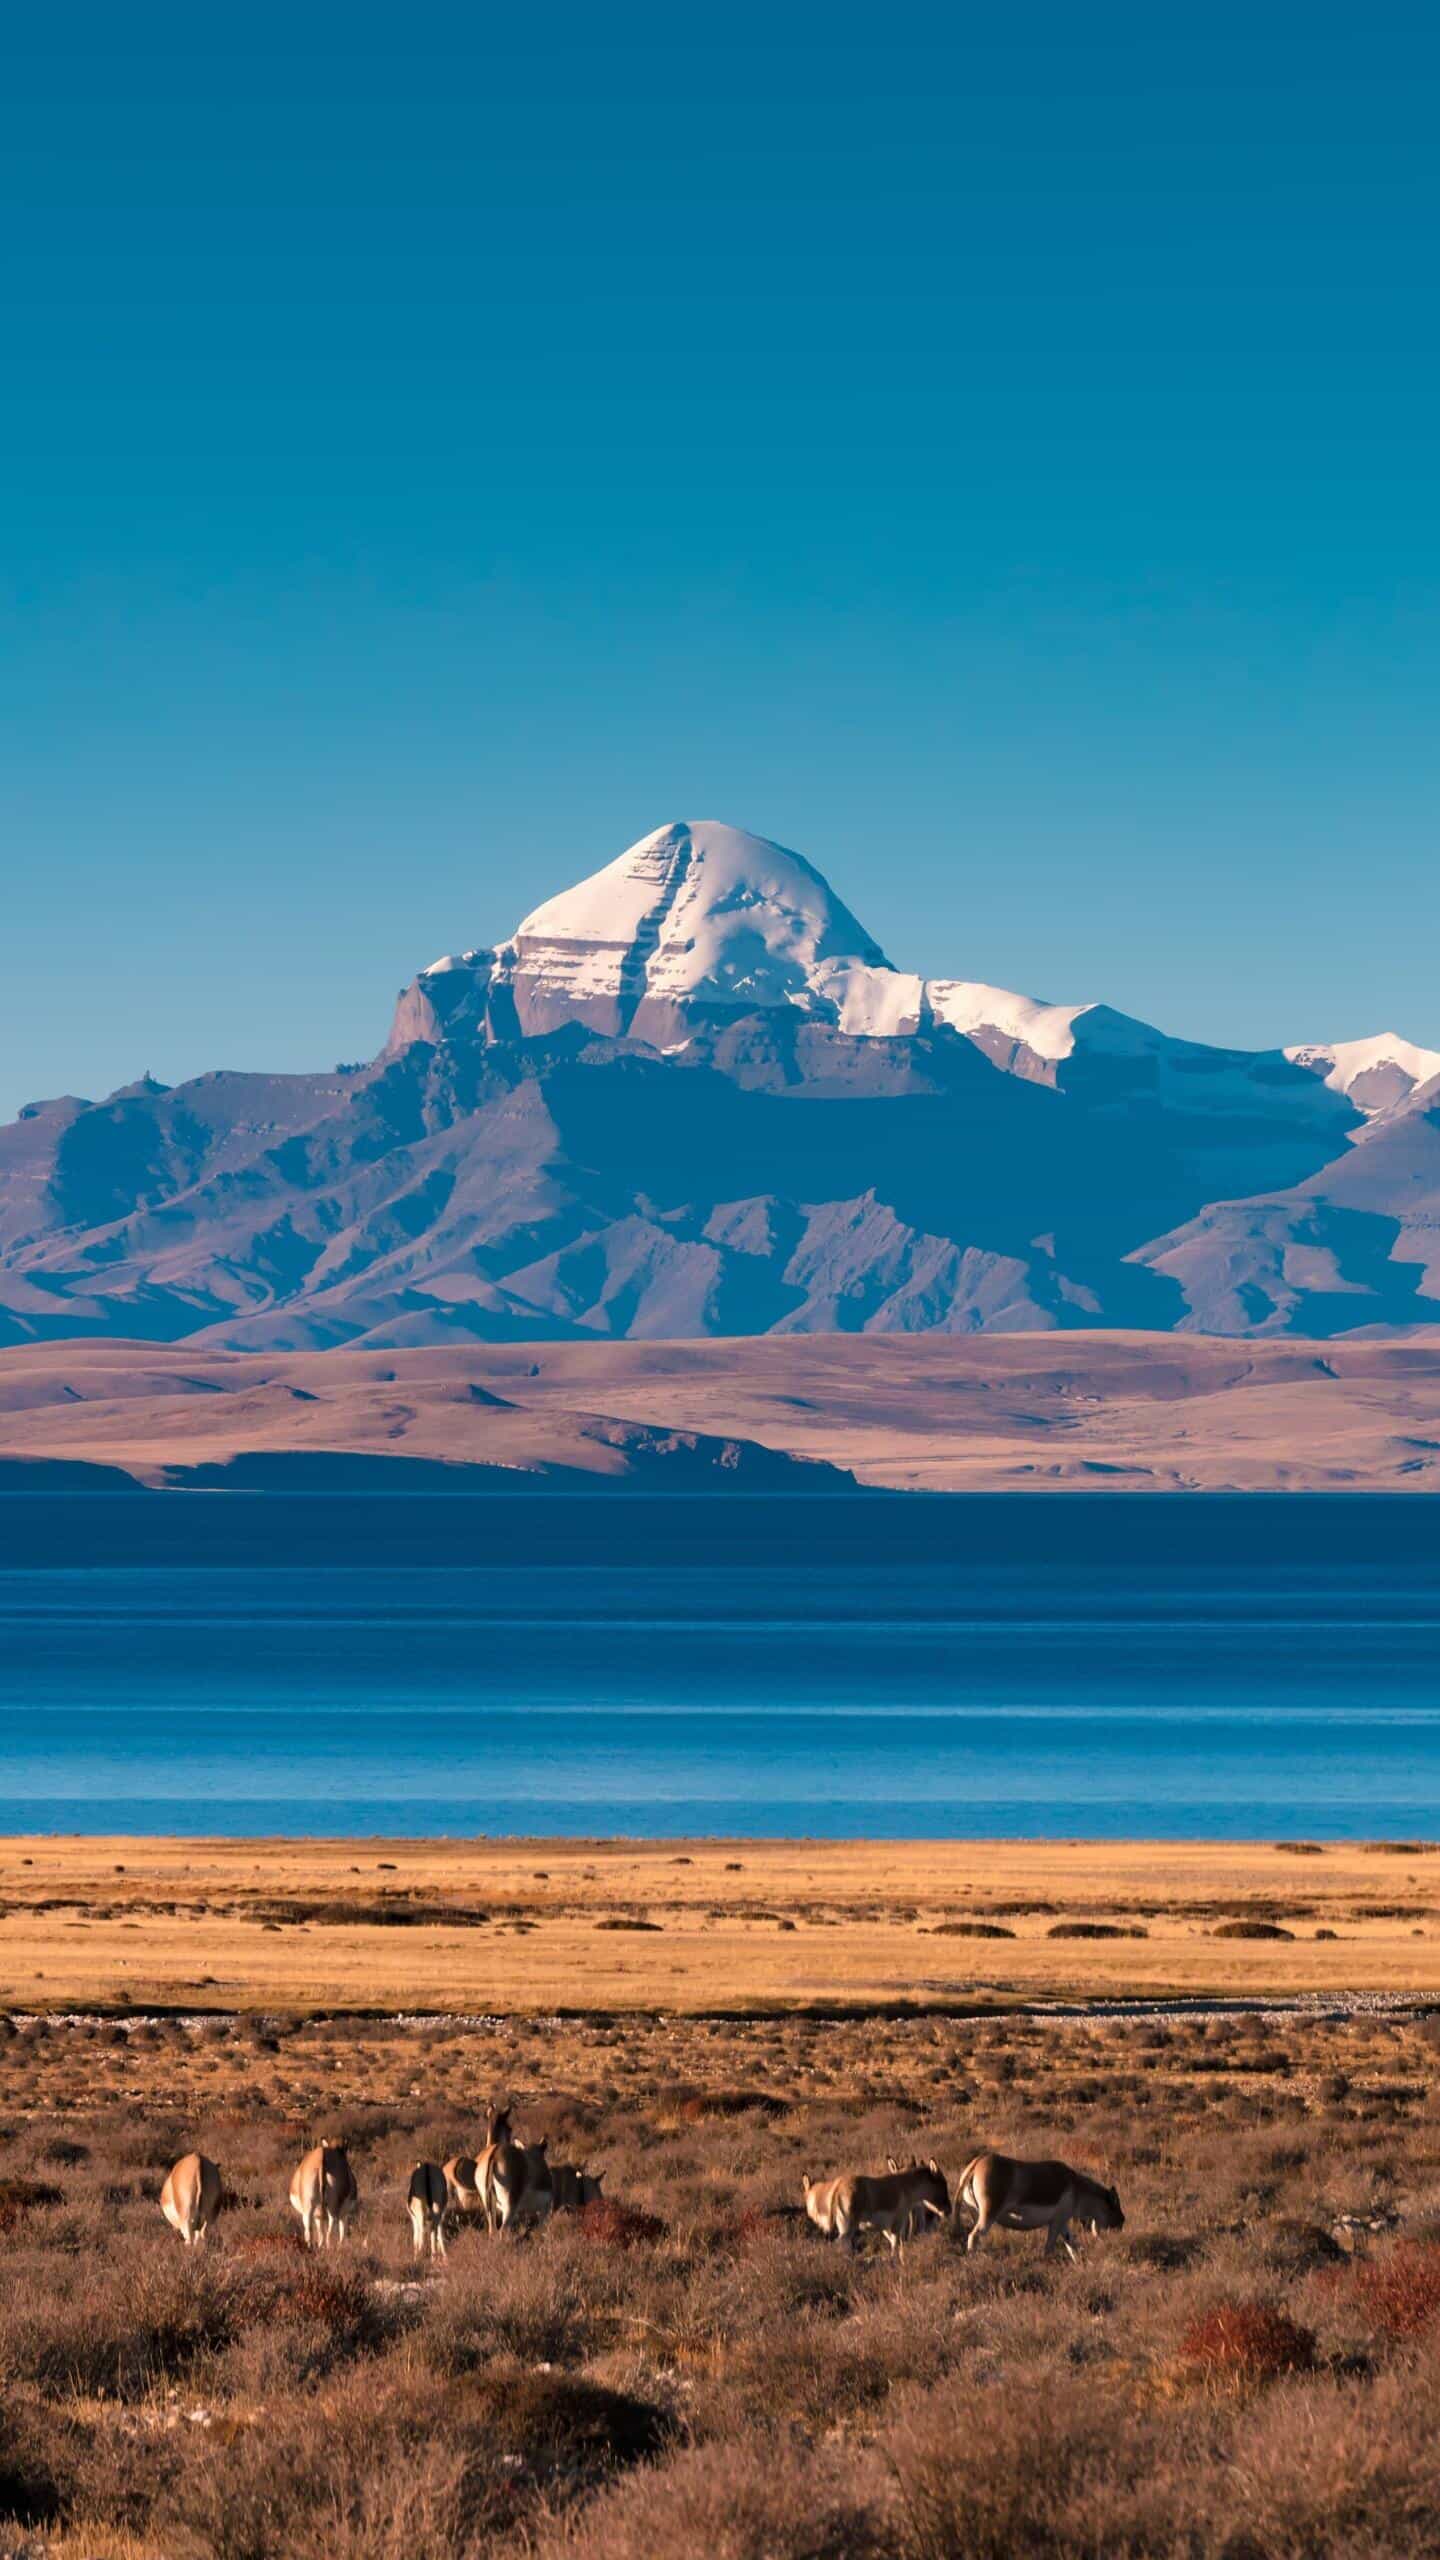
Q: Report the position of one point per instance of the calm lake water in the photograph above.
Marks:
(897, 1666)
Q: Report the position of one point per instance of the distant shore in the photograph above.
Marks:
(539, 1927)
(1039, 1412)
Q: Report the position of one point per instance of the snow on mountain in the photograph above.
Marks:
(967, 1005)
(701, 923)
(700, 911)
(1373, 1074)
(700, 919)
(881, 1003)
(753, 1123)
(697, 915)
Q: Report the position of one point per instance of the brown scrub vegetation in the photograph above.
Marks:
(688, 2366)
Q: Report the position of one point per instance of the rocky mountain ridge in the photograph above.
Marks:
(690, 1097)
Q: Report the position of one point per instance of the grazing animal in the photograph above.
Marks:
(324, 2194)
(427, 2196)
(895, 2203)
(520, 2187)
(1036, 2195)
(498, 2130)
(819, 2194)
(461, 2184)
(573, 2189)
(190, 2197)
(922, 2208)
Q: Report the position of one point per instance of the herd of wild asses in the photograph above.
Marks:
(512, 2183)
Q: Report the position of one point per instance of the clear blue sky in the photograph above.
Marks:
(992, 450)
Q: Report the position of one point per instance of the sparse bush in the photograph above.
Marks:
(1292, 2247)
(546, 2419)
(1399, 2295)
(308, 2288)
(267, 2244)
(1247, 2342)
(388, 2470)
(766, 2502)
(1327, 2469)
(30, 2490)
(757, 2226)
(117, 2328)
(20, 2197)
(699, 2105)
(249, 2401)
(1004, 2475)
(609, 2224)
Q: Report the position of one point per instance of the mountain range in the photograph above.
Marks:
(691, 1097)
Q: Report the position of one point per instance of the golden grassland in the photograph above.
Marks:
(516, 1927)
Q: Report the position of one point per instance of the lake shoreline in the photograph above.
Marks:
(1073, 1411)
(737, 1928)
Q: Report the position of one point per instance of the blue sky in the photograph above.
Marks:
(994, 451)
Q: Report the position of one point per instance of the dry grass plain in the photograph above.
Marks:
(608, 1927)
(689, 2368)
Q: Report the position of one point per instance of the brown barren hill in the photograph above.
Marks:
(1119, 1411)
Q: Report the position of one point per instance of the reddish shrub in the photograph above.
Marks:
(1249, 2341)
(758, 2224)
(268, 2244)
(1399, 2295)
(305, 2288)
(612, 2225)
(701, 2104)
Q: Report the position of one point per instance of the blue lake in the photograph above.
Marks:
(893, 1666)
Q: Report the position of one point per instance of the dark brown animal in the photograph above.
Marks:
(427, 2198)
(1036, 2195)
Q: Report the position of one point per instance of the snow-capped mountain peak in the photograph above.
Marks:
(750, 1122)
(700, 922)
(697, 912)
(703, 917)
(1375, 1074)
(698, 916)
